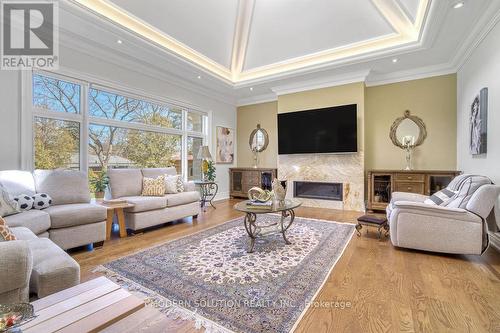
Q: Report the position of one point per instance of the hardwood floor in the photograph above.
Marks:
(389, 289)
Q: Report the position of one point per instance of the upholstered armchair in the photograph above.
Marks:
(456, 227)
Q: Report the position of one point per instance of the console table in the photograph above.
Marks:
(243, 179)
(381, 184)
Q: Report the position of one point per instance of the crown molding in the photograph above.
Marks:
(118, 16)
(264, 98)
(409, 75)
(324, 82)
(408, 37)
(481, 30)
(131, 64)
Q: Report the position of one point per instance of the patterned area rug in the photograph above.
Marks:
(209, 277)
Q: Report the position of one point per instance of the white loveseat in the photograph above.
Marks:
(149, 211)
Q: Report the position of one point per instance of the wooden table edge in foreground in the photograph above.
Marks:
(87, 307)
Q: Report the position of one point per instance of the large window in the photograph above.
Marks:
(82, 125)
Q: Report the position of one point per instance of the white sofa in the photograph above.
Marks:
(33, 265)
(71, 220)
(150, 211)
(458, 227)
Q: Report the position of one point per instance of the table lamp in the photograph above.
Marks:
(205, 156)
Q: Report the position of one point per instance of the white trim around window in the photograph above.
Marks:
(87, 82)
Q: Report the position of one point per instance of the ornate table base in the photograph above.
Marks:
(208, 191)
(254, 230)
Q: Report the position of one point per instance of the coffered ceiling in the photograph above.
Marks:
(253, 40)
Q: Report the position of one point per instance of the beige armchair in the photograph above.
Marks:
(456, 228)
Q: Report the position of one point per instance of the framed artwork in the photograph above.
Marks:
(479, 123)
(225, 145)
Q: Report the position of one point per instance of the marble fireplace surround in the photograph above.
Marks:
(347, 169)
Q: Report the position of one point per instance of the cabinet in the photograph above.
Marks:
(243, 179)
(381, 184)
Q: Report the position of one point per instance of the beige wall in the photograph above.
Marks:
(248, 117)
(432, 99)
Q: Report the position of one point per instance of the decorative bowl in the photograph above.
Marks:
(257, 194)
(14, 315)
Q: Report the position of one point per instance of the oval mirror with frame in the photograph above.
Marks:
(259, 139)
(408, 131)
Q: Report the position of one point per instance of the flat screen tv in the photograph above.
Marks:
(327, 130)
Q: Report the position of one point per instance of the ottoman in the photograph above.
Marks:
(373, 221)
(53, 269)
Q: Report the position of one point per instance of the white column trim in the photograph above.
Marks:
(241, 35)
(26, 121)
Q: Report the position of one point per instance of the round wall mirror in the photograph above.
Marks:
(408, 131)
(259, 139)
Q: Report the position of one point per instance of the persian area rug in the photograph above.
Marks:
(209, 277)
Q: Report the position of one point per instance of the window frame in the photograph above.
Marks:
(29, 112)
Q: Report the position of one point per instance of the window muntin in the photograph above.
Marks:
(195, 122)
(57, 143)
(194, 145)
(56, 95)
(103, 129)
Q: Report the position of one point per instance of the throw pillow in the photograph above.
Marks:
(171, 184)
(441, 198)
(41, 201)
(24, 202)
(5, 233)
(7, 205)
(154, 187)
(180, 184)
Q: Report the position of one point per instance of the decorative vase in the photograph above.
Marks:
(99, 195)
(279, 191)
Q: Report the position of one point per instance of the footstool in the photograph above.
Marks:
(373, 221)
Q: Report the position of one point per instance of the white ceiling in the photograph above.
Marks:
(254, 39)
(278, 43)
(283, 30)
(410, 7)
(205, 26)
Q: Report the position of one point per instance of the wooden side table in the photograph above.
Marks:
(117, 209)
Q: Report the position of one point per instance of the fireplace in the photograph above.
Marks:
(318, 190)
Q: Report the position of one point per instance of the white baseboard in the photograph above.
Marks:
(222, 196)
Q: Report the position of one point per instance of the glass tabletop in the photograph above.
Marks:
(275, 207)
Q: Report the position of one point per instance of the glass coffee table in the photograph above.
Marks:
(286, 208)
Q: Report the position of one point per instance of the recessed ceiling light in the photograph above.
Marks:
(458, 5)
(199, 77)
(119, 41)
(395, 60)
(251, 88)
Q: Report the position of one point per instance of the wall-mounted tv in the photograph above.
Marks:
(327, 130)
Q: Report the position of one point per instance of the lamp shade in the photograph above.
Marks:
(204, 153)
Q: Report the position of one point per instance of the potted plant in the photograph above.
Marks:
(210, 171)
(99, 182)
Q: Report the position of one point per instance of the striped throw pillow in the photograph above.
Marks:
(154, 187)
(441, 198)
